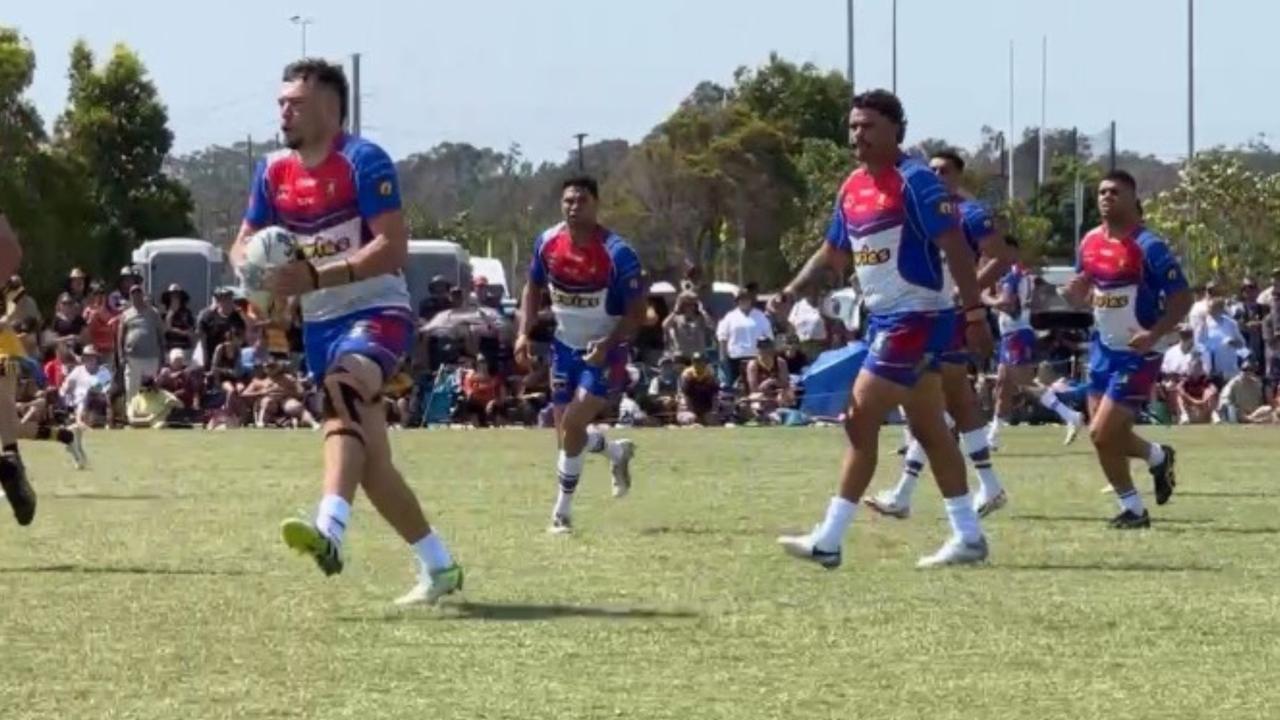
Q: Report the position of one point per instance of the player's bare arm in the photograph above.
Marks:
(1176, 307)
(1077, 290)
(961, 263)
(530, 299)
(826, 257)
(996, 257)
(623, 332)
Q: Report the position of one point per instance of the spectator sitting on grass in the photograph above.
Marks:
(663, 393)
(86, 388)
(483, 395)
(1243, 395)
(768, 381)
(699, 394)
(151, 406)
(182, 381)
(1198, 396)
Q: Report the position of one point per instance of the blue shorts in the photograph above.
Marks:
(1125, 377)
(569, 373)
(1018, 347)
(904, 346)
(957, 352)
(383, 335)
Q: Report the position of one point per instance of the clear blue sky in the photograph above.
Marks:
(493, 72)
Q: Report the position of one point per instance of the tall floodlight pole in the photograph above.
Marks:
(302, 23)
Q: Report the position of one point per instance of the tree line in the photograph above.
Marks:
(738, 179)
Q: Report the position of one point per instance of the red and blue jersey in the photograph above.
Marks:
(1015, 285)
(590, 285)
(328, 208)
(1131, 276)
(890, 223)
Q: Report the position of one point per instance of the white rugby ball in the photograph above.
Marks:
(268, 248)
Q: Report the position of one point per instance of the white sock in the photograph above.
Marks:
(912, 466)
(830, 534)
(993, 431)
(332, 517)
(963, 517)
(907, 437)
(568, 471)
(1131, 501)
(1049, 399)
(977, 448)
(1155, 454)
(432, 553)
(951, 422)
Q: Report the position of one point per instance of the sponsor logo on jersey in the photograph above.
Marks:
(1103, 301)
(322, 247)
(870, 256)
(386, 188)
(574, 300)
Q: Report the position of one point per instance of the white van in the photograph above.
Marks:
(429, 258)
(197, 265)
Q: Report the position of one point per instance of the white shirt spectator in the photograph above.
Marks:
(1222, 341)
(1177, 361)
(77, 386)
(808, 322)
(741, 332)
(1196, 316)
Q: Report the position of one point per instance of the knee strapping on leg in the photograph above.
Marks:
(353, 382)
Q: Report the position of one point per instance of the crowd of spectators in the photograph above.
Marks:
(113, 357)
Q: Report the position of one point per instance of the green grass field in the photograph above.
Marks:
(154, 586)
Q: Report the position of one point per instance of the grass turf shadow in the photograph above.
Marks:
(73, 569)
(516, 612)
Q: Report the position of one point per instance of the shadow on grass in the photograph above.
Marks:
(1227, 494)
(1226, 530)
(695, 530)
(1103, 567)
(1102, 519)
(527, 612)
(106, 496)
(117, 570)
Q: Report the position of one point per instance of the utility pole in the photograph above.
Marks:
(1013, 137)
(582, 161)
(852, 85)
(1044, 103)
(1191, 81)
(302, 22)
(355, 94)
(895, 47)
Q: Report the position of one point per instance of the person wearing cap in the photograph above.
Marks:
(118, 300)
(437, 299)
(77, 286)
(739, 333)
(662, 399)
(140, 338)
(699, 393)
(768, 379)
(1241, 398)
(217, 322)
(86, 388)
